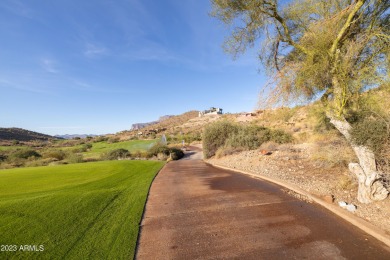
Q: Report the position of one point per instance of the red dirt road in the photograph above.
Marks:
(196, 211)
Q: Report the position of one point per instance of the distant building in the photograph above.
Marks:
(211, 111)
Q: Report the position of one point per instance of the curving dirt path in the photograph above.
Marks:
(196, 211)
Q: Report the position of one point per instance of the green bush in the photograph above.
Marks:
(112, 140)
(56, 154)
(280, 137)
(84, 148)
(25, 154)
(139, 154)
(215, 135)
(192, 137)
(99, 139)
(116, 154)
(372, 133)
(35, 163)
(251, 137)
(283, 114)
(248, 137)
(375, 134)
(3, 157)
(160, 150)
(75, 158)
(322, 122)
(227, 137)
(87, 146)
(176, 153)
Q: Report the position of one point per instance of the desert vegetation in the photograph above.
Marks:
(328, 50)
(225, 137)
(71, 151)
(163, 152)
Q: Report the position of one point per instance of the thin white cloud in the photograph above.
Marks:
(82, 84)
(22, 85)
(93, 50)
(18, 8)
(49, 65)
(151, 55)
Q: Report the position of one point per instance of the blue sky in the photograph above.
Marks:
(99, 66)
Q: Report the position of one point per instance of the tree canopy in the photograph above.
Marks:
(328, 49)
(334, 49)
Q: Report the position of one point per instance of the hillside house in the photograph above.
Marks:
(211, 111)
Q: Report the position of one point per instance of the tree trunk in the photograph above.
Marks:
(370, 187)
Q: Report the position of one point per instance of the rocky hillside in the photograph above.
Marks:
(166, 125)
(19, 134)
(138, 126)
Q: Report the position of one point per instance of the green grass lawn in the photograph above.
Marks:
(134, 145)
(77, 211)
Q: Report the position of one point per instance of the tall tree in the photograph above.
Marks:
(333, 49)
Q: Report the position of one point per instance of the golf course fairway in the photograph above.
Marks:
(76, 211)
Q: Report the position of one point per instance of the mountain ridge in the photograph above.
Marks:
(20, 134)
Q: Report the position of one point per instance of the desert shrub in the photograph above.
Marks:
(112, 140)
(345, 182)
(322, 122)
(226, 150)
(99, 139)
(87, 146)
(192, 137)
(280, 137)
(240, 139)
(25, 154)
(84, 148)
(372, 133)
(158, 148)
(173, 138)
(264, 135)
(3, 157)
(56, 154)
(248, 137)
(162, 157)
(139, 154)
(328, 154)
(215, 135)
(74, 158)
(176, 153)
(17, 162)
(283, 114)
(375, 134)
(116, 154)
(6, 166)
(228, 136)
(91, 159)
(162, 151)
(35, 163)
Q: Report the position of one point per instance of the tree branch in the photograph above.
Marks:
(287, 33)
(276, 54)
(345, 27)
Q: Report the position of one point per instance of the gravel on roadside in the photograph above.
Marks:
(294, 166)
